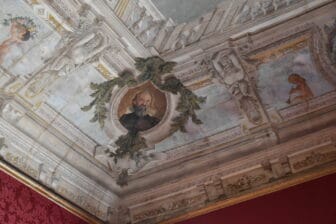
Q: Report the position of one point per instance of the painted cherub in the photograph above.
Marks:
(21, 29)
(301, 92)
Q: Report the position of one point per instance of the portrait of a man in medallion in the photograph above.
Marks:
(140, 119)
(142, 108)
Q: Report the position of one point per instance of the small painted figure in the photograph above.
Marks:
(18, 34)
(140, 119)
(301, 92)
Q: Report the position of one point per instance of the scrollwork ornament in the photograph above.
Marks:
(228, 72)
(73, 53)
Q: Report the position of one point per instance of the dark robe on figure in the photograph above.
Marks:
(135, 123)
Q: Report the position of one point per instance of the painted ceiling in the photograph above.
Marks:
(182, 11)
(108, 98)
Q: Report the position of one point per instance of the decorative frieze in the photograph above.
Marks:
(312, 157)
(245, 180)
(280, 167)
(22, 163)
(158, 209)
(83, 200)
(214, 189)
(149, 214)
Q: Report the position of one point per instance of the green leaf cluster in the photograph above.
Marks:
(129, 144)
(103, 93)
(152, 69)
(24, 21)
(187, 105)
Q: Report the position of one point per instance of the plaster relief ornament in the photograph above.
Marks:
(146, 94)
(21, 29)
(229, 73)
(188, 35)
(331, 44)
(74, 51)
(252, 10)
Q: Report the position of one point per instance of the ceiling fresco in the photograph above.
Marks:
(282, 91)
(185, 11)
(38, 44)
(219, 113)
(68, 94)
(140, 111)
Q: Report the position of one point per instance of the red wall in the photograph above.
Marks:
(21, 205)
(309, 203)
(313, 202)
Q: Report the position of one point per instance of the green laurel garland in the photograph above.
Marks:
(152, 69)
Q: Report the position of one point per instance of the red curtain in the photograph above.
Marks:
(21, 205)
(313, 202)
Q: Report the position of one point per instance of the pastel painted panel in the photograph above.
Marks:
(218, 114)
(26, 41)
(69, 93)
(290, 79)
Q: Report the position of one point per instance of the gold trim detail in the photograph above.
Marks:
(200, 84)
(121, 7)
(34, 2)
(37, 187)
(296, 44)
(53, 21)
(104, 71)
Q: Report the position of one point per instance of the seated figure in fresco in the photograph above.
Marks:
(18, 34)
(300, 92)
(139, 119)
